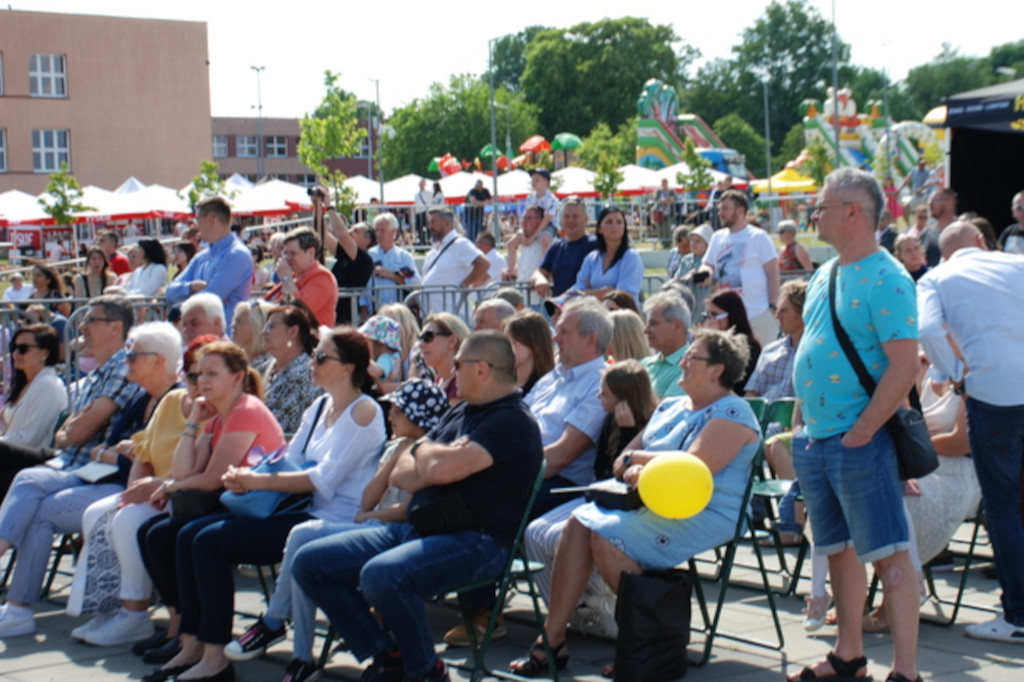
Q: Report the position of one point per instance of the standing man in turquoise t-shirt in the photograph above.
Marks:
(848, 472)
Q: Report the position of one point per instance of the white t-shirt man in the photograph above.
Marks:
(448, 263)
(738, 259)
(498, 263)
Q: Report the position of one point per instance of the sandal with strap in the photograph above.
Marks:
(844, 671)
(896, 677)
(533, 665)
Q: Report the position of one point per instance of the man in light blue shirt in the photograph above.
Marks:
(224, 268)
(565, 401)
(393, 266)
(975, 296)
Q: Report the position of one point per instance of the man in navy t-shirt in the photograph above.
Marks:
(558, 270)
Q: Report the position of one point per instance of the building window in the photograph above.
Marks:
(246, 146)
(3, 150)
(306, 180)
(50, 148)
(364, 148)
(276, 146)
(47, 76)
(220, 146)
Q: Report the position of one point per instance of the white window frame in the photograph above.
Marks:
(276, 146)
(220, 146)
(47, 76)
(1, 74)
(3, 150)
(47, 154)
(247, 146)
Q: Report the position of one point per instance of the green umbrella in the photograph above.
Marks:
(432, 168)
(566, 141)
(488, 151)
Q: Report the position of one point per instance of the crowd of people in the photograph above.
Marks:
(403, 442)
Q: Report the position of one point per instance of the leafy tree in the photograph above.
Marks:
(206, 185)
(602, 143)
(792, 145)
(455, 119)
(741, 136)
(818, 162)
(65, 197)
(608, 177)
(699, 177)
(592, 72)
(332, 132)
(949, 73)
(508, 60)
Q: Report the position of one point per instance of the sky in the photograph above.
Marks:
(406, 46)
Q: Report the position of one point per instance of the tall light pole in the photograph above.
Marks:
(765, 77)
(260, 171)
(835, 78)
(380, 141)
(494, 133)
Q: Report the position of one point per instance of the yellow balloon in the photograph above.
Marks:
(676, 486)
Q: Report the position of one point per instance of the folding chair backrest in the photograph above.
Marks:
(780, 411)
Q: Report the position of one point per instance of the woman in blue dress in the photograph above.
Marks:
(711, 422)
(614, 264)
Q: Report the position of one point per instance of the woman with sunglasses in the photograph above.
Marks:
(37, 395)
(289, 337)
(725, 310)
(336, 448)
(440, 339)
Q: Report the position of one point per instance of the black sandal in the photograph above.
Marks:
(845, 671)
(533, 665)
(897, 677)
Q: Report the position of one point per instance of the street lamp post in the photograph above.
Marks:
(259, 122)
(766, 76)
(380, 141)
(494, 133)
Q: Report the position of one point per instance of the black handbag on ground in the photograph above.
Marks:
(653, 615)
(915, 453)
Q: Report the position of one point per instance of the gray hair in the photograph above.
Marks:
(161, 338)
(209, 304)
(726, 348)
(276, 239)
(388, 218)
(674, 286)
(672, 306)
(118, 308)
(502, 308)
(861, 183)
(592, 319)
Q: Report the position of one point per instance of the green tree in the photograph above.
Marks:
(205, 185)
(608, 178)
(792, 145)
(332, 132)
(949, 73)
(455, 119)
(600, 143)
(699, 177)
(64, 197)
(739, 135)
(593, 72)
(818, 163)
(508, 60)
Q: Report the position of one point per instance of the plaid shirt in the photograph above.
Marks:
(110, 380)
(773, 376)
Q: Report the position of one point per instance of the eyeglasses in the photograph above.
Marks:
(820, 208)
(691, 358)
(465, 361)
(92, 319)
(133, 354)
(713, 316)
(192, 377)
(428, 336)
(321, 357)
(22, 348)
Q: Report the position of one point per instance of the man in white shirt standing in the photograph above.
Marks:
(743, 258)
(488, 246)
(453, 261)
(975, 297)
(422, 201)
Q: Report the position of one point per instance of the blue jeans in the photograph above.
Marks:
(394, 570)
(997, 446)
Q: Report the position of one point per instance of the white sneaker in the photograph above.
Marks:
(12, 625)
(997, 630)
(93, 623)
(815, 612)
(123, 628)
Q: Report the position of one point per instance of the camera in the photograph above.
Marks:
(315, 192)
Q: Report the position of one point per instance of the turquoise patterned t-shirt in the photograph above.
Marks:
(876, 302)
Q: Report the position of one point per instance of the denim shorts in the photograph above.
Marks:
(854, 496)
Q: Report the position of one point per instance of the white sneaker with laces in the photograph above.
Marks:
(815, 612)
(14, 623)
(997, 630)
(95, 622)
(123, 628)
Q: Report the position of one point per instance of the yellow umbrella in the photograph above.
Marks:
(785, 182)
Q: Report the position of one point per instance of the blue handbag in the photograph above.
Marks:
(260, 504)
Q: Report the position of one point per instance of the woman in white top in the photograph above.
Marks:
(38, 395)
(149, 268)
(338, 445)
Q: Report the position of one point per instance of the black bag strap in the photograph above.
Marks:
(434, 262)
(866, 380)
(316, 419)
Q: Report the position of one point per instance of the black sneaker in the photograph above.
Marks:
(300, 671)
(386, 667)
(254, 642)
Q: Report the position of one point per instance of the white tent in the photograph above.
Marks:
(403, 190)
(130, 186)
(273, 197)
(638, 180)
(514, 184)
(670, 172)
(20, 208)
(364, 188)
(578, 181)
(457, 185)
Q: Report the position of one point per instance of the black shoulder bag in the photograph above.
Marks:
(915, 453)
